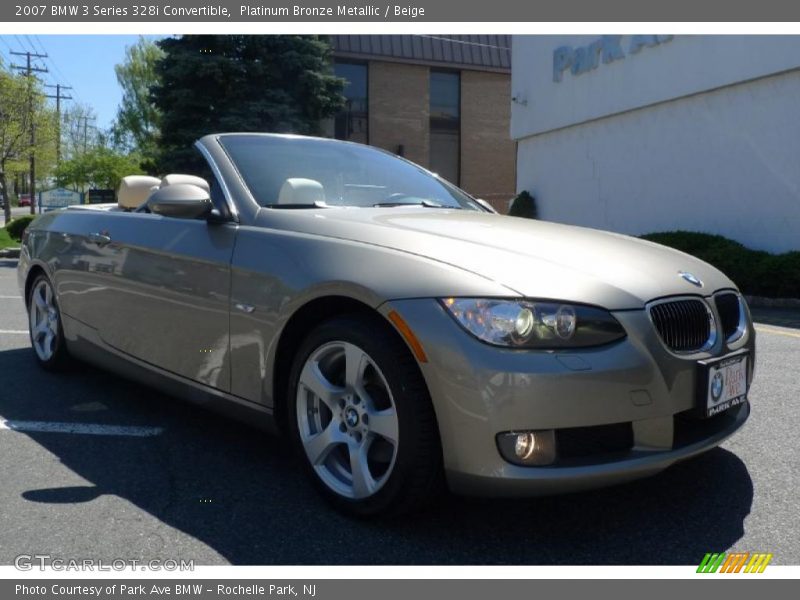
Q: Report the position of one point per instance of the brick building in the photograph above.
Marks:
(443, 102)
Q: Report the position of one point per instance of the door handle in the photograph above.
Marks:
(101, 239)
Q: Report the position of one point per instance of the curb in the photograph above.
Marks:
(9, 253)
(763, 302)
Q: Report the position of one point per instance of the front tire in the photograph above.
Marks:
(362, 420)
(44, 325)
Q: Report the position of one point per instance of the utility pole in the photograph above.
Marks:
(59, 97)
(29, 71)
(86, 127)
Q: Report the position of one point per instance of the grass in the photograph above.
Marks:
(6, 241)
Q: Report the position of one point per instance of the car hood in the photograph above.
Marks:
(535, 259)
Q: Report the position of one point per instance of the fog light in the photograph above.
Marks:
(525, 445)
(528, 448)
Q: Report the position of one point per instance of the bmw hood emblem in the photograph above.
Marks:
(690, 278)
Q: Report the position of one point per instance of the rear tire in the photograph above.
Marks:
(44, 326)
(361, 418)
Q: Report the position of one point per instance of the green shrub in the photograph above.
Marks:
(523, 205)
(782, 272)
(756, 272)
(17, 226)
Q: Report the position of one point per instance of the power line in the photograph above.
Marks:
(38, 47)
(39, 43)
(7, 45)
(2, 39)
(30, 42)
(20, 43)
(58, 70)
(53, 63)
(23, 46)
(48, 76)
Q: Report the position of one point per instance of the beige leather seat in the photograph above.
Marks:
(297, 190)
(175, 178)
(134, 190)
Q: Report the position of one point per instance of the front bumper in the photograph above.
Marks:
(635, 385)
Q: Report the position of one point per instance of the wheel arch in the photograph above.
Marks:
(300, 324)
(33, 272)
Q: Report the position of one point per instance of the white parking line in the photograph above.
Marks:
(14, 331)
(10, 297)
(80, 428)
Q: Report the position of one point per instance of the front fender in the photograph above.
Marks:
(275, 273)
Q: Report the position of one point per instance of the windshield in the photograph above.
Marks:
(285, 171)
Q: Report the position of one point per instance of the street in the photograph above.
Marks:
(16, 211)
(178, 482)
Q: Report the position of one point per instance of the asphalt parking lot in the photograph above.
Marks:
(196, 486)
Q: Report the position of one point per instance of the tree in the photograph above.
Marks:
(98, 167)
(14, 128)
(18, 95)
(215, 83)
(137, 122)
(79, 133)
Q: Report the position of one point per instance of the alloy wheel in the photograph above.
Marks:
(347, 420)
(44, 320)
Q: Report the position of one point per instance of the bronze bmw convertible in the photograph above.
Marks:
(398, 331)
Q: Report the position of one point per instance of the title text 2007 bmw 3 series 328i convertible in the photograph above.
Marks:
(400, 333)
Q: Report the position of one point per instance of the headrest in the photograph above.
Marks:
(301, 191)
(174, 178)
(134, 190)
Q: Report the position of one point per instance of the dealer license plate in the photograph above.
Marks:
(723, 383)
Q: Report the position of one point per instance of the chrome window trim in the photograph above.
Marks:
(713, 330)
(234, 212)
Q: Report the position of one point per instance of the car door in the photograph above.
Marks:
(166, 299)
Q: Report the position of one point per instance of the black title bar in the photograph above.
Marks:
(445, 11)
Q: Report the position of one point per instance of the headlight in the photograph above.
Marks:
(534, 324)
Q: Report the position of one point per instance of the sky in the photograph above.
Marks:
(85, 62)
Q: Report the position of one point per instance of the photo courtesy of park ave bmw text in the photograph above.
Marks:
(305, 300)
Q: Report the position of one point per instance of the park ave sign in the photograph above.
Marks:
(608, 48)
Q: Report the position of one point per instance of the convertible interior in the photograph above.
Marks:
(135, 190)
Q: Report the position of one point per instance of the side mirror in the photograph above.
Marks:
(181, 201)
(486, 205)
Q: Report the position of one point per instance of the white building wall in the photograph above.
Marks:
(710, 156)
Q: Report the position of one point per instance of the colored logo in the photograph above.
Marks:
(716, 386)
(690, 278)
(736, 562)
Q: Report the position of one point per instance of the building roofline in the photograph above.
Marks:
(355, 56)
(491, 53)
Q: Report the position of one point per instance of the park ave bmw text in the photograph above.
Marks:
(177, 589)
